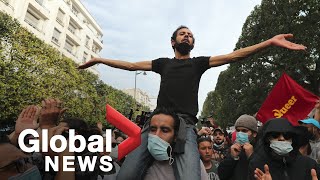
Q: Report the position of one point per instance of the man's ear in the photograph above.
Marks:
(173, 42)
(254, 134)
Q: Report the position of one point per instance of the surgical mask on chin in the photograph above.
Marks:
(32, 173)
(158, 148)
(218, 145)
(242, 138)
(281, 147)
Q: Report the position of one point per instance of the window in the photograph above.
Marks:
(85, 55)
(72, 28)
(96, 48)
(56, 36)
(32, 19)
(69, 46)
(74, 11)
(87, 41)
(40, 2)
(60, 17)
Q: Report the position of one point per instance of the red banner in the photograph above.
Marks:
(287, 100)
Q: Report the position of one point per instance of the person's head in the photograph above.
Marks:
(120, 137)
(205, 148)
(182, 40)
(218, 136)
(163, 127)
(280, 136)
(246, 126)
(164, 123)
(313, 127)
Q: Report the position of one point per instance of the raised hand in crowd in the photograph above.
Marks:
(26, 120)
(314, 174)
(204, 131)
(57, 130)
(50, 113)
(260, 175)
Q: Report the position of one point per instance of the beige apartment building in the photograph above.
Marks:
(141, 97)
(65, 24)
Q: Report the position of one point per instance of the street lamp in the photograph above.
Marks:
(135, 82)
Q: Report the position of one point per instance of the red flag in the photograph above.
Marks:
(287, 100)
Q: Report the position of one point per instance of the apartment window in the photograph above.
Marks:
(32, 19)
(84, 58)
(74, 11)
(72, 28)
(96, 48)
(87, 41)
(60, 17)
(40, 2)
(69, 46)
(56, 36)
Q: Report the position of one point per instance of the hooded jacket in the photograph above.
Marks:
(290, 167)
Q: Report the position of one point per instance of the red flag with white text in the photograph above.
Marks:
(287, 100)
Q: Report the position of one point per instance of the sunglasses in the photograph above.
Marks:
(286, 136)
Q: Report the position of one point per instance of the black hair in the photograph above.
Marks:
(203, 139)
(175, 33)
(79, 125)
(170, 112)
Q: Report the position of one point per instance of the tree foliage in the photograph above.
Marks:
(31, 70)
(244, 86)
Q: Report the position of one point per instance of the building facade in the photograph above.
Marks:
(65, 24)
(141, 97)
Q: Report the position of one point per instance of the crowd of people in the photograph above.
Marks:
(276, 150)
(171, 147)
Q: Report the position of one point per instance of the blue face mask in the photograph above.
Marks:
(242, 138)
(32, 173)
(281, 147)
(158, 148)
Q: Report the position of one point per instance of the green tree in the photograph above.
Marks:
(244, 85)
(31, 70)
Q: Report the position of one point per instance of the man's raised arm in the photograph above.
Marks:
(278, 40)
(142, 65)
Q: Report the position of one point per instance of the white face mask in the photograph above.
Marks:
(158, 148)
(281, 147)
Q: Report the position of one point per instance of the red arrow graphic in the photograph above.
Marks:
(126, 126)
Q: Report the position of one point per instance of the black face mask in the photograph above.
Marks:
(183, 48)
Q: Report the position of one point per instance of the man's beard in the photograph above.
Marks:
(183, 48)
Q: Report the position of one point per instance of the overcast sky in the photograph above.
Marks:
(136, 30)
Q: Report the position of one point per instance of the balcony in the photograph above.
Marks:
(55, 41)
(33, 24)
(40, 2)
(7, 4)
(75, 12)
(60, 21)
(72, 30)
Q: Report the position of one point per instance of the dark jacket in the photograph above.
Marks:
(291, 167)
(230, 169)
